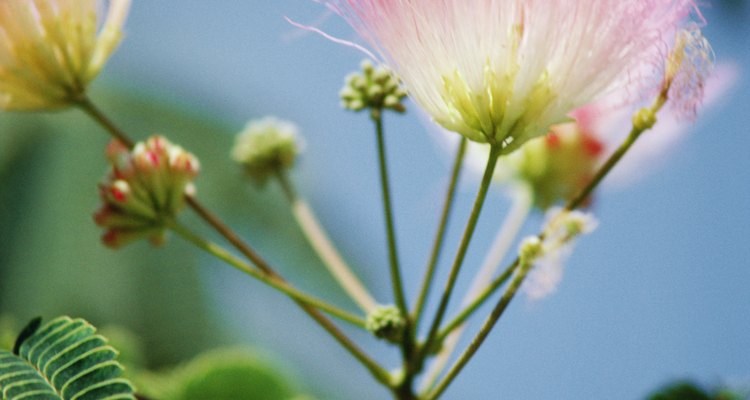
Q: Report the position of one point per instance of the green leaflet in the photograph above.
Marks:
(64, 360)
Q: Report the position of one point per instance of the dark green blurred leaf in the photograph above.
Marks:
(686, 390)
(229, 374)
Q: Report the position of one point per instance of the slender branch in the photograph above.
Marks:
(404, 389)
(397, 283)
(642, 121)
(466, 313)
(440, 235)
(305, 301)
(480, 289)
(95, 113)
(92, 110)
(378, 372)
(475, 344)
(324, 247)
(463, 248)
(224, 255)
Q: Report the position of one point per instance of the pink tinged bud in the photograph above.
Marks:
(117, 238)
(115, 150)
(145, 188)
(119, 192)
(110, 217)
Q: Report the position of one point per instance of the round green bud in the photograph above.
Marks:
(374, 88)
(386, 322)
(266, 147)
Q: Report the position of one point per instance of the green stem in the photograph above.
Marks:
(477, 342)
(643, 121)
(396, 281)
(478, 301)
(480, 290)
(224, 255)
(304, 300)
(404, 388)
(440, 235)
(463, 248)
(323, 246)
(85, 104)
(378, 372)
(94, 112)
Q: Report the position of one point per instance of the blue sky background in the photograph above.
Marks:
(659, 292)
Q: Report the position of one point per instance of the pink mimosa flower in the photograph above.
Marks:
(503, 71)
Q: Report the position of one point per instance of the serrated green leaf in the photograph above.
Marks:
(64, 360)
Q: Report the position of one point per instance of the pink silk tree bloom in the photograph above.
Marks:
(50, 50)
(503, 71)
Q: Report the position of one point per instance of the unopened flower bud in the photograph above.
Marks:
(558, 166)
(144, 189)
(266, 147)
(386, 322)
(374, 88)
(531, 249)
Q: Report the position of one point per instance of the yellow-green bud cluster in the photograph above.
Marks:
(374, 88)
(266, 147)
(145, 188)
(386, 322)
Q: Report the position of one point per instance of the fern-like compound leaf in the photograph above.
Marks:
(63, 360)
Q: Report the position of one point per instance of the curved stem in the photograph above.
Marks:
(324, 247)
(90, 108)
(396, 281)
(449, 336)
(378, 372)
(640, 125)
(486, 327)
(463, 248)
(96, 114)
(224, 255)
(440, 235)
(304, 300)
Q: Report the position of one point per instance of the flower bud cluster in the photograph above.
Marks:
(266, 147)
(145, 188)
(375, 88)
(386, 322)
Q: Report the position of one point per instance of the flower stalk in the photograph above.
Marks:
(495, 152)
(643, 120)
(440, 235)
(295, 294)
(482, 285)
(324, 247)
(375, 369)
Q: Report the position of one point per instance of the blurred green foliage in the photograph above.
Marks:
(52, 262)
(686, 390)
(224, 374)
